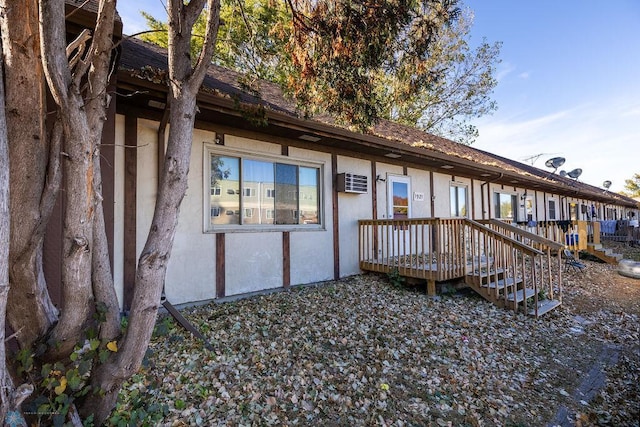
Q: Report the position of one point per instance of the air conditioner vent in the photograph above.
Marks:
(351, 183)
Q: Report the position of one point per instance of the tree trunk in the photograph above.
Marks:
(103, 287)
(30, 310)
(152, 265)
(6, 385)
(97, 104)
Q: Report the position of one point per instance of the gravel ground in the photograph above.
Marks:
(361, 352)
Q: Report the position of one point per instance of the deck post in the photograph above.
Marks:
(431, 287)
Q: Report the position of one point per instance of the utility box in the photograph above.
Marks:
(351, 183)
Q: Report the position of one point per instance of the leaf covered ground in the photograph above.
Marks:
(361, 352)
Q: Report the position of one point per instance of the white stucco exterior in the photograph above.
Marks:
(352, 207)
(254, 259)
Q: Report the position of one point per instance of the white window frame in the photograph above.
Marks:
(466, 198)
(555, 209)
(515, 206)
(210, 149)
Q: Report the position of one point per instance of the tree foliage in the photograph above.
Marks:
(632, 186)
(420, 70)
(251, 37)
(460, 90)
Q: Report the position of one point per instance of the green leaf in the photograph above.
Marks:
(84, 367)
(74, 381)
(45, 370)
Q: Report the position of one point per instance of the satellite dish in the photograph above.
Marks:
(575, 173)
(555, 162)
(606, 184)
(563, 173)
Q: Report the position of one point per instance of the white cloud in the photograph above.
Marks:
(598, 138)
(524, 75)
(504, 70)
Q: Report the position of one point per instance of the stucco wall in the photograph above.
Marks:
(384, 170)
(351, 208)
(253, 262)
(420, 198)
(312, 251)
(441, 184)
(253, 259)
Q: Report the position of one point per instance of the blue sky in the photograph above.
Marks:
(569, 81)
(568, 84)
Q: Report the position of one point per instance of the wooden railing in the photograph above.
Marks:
(499, 264)
(552, 249)
(575, 235)
(426, 248)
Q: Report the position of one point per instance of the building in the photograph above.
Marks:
(277, 205)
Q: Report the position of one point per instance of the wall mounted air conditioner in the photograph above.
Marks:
(351, 183)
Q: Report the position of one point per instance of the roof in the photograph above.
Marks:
(146, 63)
(82, 14)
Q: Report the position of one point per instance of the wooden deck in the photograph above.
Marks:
(507, 265)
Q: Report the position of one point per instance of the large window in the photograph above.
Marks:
(506, 206)
(273, 192)
(458, 199)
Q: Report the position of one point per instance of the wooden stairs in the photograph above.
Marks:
(510, 267)
(606, 255)
(510, 292)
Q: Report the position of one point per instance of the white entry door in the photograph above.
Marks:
(398, 197)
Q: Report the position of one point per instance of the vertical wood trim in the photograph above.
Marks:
(374, 190)
(405, 171)
(489, 201)
(286, 260)
(130, 196)
(432, 195)
(220, 268)
(284, 150)
(336, 218)
(473, 200)
(482, 201)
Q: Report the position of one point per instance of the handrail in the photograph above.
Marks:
(532, 236)
(503, 263)
(520, 245)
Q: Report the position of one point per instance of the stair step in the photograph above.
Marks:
(521, 295)
(500, 284)
(545, 306)
(484, 274)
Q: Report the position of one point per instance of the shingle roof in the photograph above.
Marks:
(149, 61)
